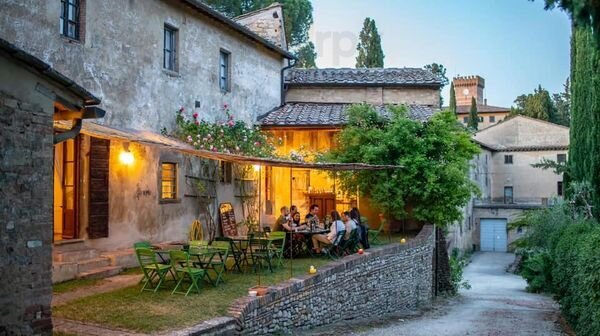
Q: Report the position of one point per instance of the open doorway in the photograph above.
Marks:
(66, 173)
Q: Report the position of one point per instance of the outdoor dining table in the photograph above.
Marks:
(204, 256)
(307, 241)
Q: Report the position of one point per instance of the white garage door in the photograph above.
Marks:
(493, 235)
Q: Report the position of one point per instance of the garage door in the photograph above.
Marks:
(493, 235)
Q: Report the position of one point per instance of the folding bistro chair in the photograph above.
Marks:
(278, 246)
(143, 244)
(151, 269)
(350, 246)
(261, 252)
(333, 250)
(374, 234)
(235, 251)
(180, 261)
(219, 266)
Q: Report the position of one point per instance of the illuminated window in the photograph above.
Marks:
(168, 181)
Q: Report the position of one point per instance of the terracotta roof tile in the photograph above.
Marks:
(363, 77)
(326, 114)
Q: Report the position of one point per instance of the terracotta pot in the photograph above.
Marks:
(260, 290)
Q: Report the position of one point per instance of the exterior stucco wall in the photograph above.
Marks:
(529, 184)
(522, 131)
(371, 95)
(483, 212)
(499, 116)
(120, 60)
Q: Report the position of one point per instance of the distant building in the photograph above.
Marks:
(509, 184)
(467, 87)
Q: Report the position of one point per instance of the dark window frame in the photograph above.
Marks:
(170, 48)
(492, 119)
(560, 188)
(225, 172)
(508, 159)
(174, 180)
(465, 120)
(70, 16)
(224, 70)
(561, 158)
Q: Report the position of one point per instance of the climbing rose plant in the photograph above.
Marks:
(225, 136)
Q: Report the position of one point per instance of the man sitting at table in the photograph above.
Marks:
(312, 218)
(336, 227)
(349, 223)
(284, 218)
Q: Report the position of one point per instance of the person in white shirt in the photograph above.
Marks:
(336, 227)
(349, 223)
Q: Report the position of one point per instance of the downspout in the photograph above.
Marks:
(289, 66)
(70, 134)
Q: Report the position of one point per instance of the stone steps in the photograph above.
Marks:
(124, 258)
(92, 264)
(75, 255)
(99, 273)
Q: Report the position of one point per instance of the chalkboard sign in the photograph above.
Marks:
(228, 224)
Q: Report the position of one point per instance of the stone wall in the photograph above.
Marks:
(386, 279)
(26, 216)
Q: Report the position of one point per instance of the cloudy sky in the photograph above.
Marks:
(514, 44)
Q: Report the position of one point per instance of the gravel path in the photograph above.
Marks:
(107, 285)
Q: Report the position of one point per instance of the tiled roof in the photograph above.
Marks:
(363, 77)
(481, 108)
(326, 115)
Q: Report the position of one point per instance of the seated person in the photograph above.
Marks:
(312, 218)
(329, 239)
(349, 223)
(284, 217)
(294, 223)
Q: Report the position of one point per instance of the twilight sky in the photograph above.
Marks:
(514, 44)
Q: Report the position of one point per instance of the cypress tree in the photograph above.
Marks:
(584, 149)
(370, 54)
(452, 106)
(473, 116)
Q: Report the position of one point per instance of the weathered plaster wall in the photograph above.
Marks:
(529, 184)
(371, 95)
(484, 212)
(267, 22)
(498, 116)
(25, 200)
(120, 59)
(384, 280)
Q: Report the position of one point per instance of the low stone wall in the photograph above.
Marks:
(387, 279)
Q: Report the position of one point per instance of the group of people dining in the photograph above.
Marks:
(347, 221)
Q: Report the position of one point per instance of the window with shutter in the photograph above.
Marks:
(98, 189)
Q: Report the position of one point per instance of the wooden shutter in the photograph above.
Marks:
(98, 208)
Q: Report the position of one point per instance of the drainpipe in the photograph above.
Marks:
(289, 66)
(89, 112)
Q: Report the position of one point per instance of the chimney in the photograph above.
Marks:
(485, 101)
(267, 23)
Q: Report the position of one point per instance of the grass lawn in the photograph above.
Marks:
(146, 312)
(71, 285)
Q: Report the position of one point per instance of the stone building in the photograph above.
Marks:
(145, 59)
(509, 183)
(315, 102)
(28, 107)
(468, 87)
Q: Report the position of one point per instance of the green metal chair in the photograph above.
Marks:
(261, 252)
(180, 261)
(350, 246)
(374, 234)
(335, 249)
(219, 266)
(278, 245)
(198, 243)
(142, 244)
(235, 251)
(151, 269)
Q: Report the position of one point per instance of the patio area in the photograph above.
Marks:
(124, 305)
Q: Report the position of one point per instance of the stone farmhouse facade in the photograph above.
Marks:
(315, 101)
(508, 182)
(28, 107)
(466, 87)
(145, 60)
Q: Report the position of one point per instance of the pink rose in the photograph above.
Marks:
(225, 106)
(214, 149)
(230, 123)
(195, 115)
(197, 122)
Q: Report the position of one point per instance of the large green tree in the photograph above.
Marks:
(298, 15)
(562, 104)
(439, 71)
(370, 53)
(473, 115)
(537, 105)
(452, 106)
(433, 182)
(306, 56)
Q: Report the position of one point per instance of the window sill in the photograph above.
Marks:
(171, 73)
(71, 40)
(169, 201)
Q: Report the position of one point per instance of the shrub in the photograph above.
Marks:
(586, 286)
(457, 265)
(537, 270)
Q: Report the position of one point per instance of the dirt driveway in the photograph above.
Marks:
(497, 304)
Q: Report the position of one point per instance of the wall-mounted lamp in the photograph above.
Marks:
(257, 168)
(126, 157)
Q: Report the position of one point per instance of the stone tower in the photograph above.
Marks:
(466, 87)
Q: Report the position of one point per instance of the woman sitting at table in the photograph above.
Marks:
(294, 223)
(349, 223)
(329, 239)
